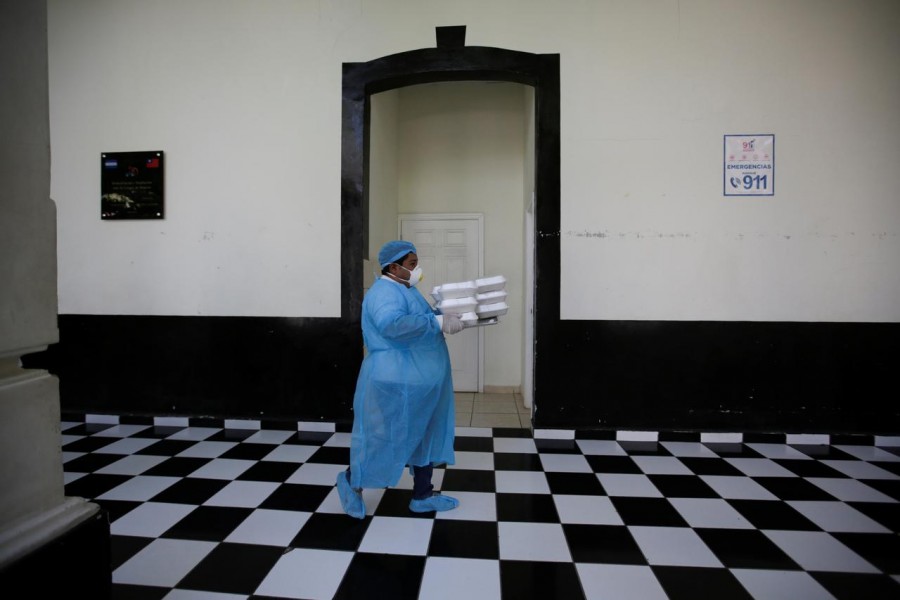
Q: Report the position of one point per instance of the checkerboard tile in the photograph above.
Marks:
(206, 508)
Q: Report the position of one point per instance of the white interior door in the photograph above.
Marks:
(449, 247)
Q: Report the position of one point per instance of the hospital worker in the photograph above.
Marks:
(403, 409)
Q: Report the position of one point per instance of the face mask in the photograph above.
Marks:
(415, 276)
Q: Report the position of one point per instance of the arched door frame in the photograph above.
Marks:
(454, 63)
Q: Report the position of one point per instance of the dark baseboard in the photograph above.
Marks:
(79, 561)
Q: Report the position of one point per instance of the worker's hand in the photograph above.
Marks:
(452, 324)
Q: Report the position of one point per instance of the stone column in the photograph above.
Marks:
(35, 514)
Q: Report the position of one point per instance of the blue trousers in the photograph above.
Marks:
(422, 486)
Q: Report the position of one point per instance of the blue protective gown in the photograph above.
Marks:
(403, 406)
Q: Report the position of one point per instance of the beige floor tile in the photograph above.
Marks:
(493, 406)
(491, 409)
(462, 403)
(496, 420)
(494, 397)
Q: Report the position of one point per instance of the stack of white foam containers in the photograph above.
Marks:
(478, 302)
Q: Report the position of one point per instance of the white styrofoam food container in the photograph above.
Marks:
(457, 306)
(490, 284)
(491, 297)
(491, 310)
(462, 289)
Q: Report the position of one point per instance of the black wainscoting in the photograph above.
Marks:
(599, 375)
(721, 376)
(231, 367)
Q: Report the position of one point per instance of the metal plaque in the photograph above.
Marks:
(131, 185)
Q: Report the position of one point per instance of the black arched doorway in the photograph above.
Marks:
(451, 60)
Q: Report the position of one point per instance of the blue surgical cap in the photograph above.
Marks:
(394, 250)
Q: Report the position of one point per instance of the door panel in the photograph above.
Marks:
(449, 250)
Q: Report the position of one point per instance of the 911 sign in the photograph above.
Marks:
(749, 166)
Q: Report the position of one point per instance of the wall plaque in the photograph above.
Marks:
(131, 185)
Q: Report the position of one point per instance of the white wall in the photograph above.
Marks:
(384, 182)
(244, 97)
(646, 230)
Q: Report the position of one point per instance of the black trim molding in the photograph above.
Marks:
(780, 377)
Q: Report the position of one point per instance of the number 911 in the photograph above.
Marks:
(750, 182)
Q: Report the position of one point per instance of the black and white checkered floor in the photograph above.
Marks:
(211, 510)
